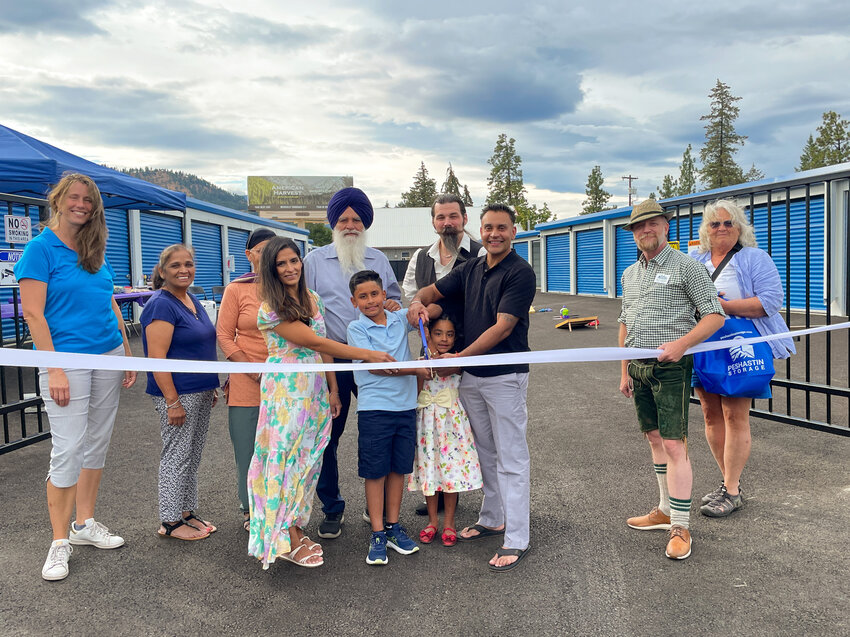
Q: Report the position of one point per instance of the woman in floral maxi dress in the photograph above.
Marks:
(295, 410)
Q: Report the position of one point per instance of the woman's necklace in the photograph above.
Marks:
(191, 309)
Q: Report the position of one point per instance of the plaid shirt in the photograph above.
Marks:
(662, 296)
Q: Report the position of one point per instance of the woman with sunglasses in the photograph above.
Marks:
(748, 286)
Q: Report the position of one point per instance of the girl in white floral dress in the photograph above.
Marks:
(446, 459)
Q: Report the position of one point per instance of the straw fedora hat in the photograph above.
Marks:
(645, 210)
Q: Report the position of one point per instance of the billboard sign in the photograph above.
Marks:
(294, 193)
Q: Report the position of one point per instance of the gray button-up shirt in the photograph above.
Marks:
(662, 296)
(325, 277)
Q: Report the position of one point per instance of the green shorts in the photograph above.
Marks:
(662, 396)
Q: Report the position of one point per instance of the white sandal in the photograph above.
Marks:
(315, 547)
(290, 557)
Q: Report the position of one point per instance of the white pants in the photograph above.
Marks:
(81, 430)
(497, 411)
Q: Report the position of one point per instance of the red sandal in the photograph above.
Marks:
(426, 535)
(449, 536)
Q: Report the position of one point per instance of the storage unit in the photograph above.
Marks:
(806, 270)
(626, 254)
(521, 248)
(209, 261)
(590, 266)
(237, 241)
(157, 231)
(558, 263)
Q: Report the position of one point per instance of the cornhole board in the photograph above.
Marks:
(578, 322)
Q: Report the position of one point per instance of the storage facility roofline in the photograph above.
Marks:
(197, 204)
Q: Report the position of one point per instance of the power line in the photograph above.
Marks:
(632, 191)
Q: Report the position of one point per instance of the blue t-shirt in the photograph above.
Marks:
(78, 304)
(386, 393)
(193, 339)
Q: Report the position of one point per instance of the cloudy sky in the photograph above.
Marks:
(372, 88)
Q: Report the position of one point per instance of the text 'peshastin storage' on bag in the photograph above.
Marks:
(743, 370)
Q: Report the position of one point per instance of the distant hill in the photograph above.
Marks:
(190, 184)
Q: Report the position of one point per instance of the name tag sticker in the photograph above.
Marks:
(662, 278)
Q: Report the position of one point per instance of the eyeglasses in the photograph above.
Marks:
(716, 224)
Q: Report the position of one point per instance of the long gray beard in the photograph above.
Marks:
(351, 253)
(451, 241)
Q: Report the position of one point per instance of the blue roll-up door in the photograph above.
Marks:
(118, 246)
(302, 247)
(682, 230)
(236, 242)
(206, 239)
(590, 278)
(118, 251)
(522, 249)
(804, 268)
(626, 254)
(558, 263)
(157, 232)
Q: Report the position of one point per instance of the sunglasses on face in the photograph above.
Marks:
(716, 224)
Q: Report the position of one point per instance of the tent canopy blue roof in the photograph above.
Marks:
(29, 167)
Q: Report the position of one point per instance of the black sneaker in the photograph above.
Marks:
(331, 527)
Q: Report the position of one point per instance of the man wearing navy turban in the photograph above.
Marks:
(328, 270)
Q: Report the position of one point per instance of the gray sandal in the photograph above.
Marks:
(723, 505)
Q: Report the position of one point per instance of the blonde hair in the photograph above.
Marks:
(91, 239)
(157, 280)
(746, 236)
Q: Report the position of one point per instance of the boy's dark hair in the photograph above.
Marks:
(364, 276)
(499, 207)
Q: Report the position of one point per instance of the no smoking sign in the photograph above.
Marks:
(18, 229)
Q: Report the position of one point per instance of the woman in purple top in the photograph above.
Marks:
(176, 326)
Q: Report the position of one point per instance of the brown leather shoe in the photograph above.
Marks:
(655, 519)
(679, 546)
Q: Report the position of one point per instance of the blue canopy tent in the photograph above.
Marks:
(29, 168)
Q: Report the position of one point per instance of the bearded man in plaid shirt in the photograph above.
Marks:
(669, 303)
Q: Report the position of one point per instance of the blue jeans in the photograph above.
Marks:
(328, 487)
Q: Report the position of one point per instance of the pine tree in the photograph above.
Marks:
(504, 185)
(451, 186)
(721, 140)
(652, 196)
(423, 191)
(597, 196)
(687, 182)
(812, 157)
(753, 174)
(467, 198)
(831, 146)
(668, 187)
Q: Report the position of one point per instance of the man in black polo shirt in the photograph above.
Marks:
(497, 291)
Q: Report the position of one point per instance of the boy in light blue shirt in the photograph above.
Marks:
(386, 414)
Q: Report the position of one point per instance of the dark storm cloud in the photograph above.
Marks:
(118, 113)
(50, 16)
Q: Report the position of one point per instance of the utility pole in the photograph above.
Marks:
(632, 191)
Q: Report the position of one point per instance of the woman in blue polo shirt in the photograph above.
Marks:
(176, 326)
(66, 283)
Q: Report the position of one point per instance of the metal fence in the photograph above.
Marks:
(21, 406)
(804, 224)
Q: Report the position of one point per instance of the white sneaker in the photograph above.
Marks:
(56, 565)
(95, 534)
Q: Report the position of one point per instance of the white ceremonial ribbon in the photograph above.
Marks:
(33, 358)
(443, 398)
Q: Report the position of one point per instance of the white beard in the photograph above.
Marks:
(351, 251)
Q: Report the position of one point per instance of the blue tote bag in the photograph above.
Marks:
(742, 370)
